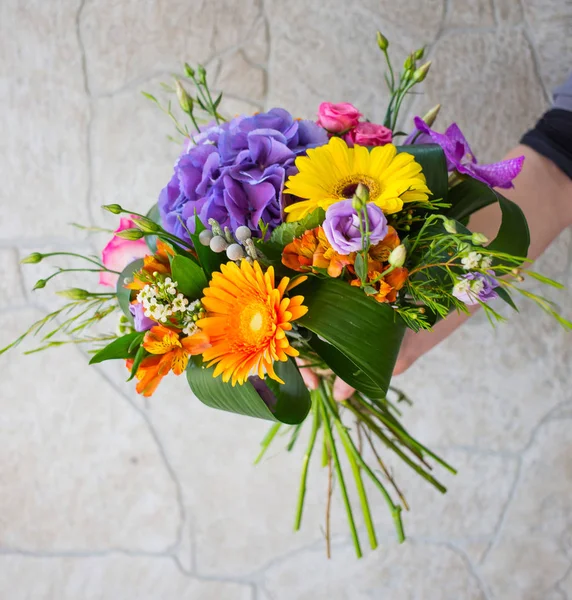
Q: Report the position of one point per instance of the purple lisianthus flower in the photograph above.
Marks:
(460, 157)
(141, 322)
(342, 226)
(474, 287)
(235, 172)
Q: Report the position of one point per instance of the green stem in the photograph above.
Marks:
(337, 465)
(91, 260)
(377, 431)
(356, 473)
(265, 443)
(306, 463)
(352, 450)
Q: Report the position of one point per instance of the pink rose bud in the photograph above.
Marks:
(337, 118)
(368, 134)
(119, 253)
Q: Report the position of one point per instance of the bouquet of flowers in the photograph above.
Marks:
(282, 244)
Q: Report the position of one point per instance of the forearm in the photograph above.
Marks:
(544, 193)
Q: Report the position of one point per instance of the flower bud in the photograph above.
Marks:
(242, 233)
(450, 226)
(419, 54)
(74, 294)
(382, 41)
(32, 259)
(201, 74)
(409, 62)
(189, 71)
(130, 234)
(215, 227)
(420, 73)
(397, 256)
(116, 209)
(478, 239)
(218, 244)
(41, 283)
(146, 225)
(463, 247)
(185, 101)
(205, 237)
(235, 252)
(430, 117)
(360, 197)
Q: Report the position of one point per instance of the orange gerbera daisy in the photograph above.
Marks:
(247, 319)
(169, 353)
(312, 250)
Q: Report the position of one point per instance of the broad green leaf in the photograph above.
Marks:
(190, 278)
(360, 267)
(138, 358)
(287, 232)
(513, 236)
(343, 367)
(504, 295)
(124, 294)
(151, 240)
(210, 261)
(434, 164)
(367, 332)
(292, 398)
(468, 197)
(123, 347)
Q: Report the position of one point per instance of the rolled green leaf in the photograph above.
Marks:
(367, 332)
(289, 402)
(190, 278)
(434, 164)
(123, 347)
(123, 293)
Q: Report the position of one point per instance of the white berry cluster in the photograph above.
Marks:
(162, 303)
(475, 260)
(236, 247)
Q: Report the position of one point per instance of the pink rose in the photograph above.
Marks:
(119, 253)
(368, 134)
(337, 118)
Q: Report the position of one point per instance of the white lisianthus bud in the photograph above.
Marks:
(205, 237)
(397, 256)
(74, 294)
(116, 209)
(242, 233)
(235, 252)
(185, 101)
(130, 234)
(218, 244)
(33, 258)
(382, 41)
(146, 225)
(479, 239)
(450, 226)
(420, 74)
(430, 116)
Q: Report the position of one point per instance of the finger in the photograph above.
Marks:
(310, 378)
(342, 391)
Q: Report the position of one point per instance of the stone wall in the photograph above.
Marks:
(104, 496)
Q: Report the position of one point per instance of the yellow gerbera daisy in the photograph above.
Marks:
(247, 319)
(332, 172)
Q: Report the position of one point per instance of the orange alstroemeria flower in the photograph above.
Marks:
(312, 250)
(158, 262)
(170, 353)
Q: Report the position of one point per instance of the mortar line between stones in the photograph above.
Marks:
(535, 61)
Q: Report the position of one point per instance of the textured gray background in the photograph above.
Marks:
(103, 496)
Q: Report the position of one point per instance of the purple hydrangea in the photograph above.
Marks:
(235, 172)
(474, 287)
(342, 226)
(460, 157)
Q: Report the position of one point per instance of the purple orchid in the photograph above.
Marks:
(460, 157)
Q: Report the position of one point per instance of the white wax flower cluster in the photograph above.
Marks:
(161, 301)
(475, 260)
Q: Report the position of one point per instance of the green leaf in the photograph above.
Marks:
(139, 356)
(210, 261)
(360, 267)
(434, 164)
(120, 348)
(292, 397)
(513, 236)
(367, 332)
(287, 232)
(151, 240)
(190, 278)
(124, 294)
(343, 367)
(504, 295)
(468, 197)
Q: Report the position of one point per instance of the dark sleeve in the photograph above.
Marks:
(552, 137)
